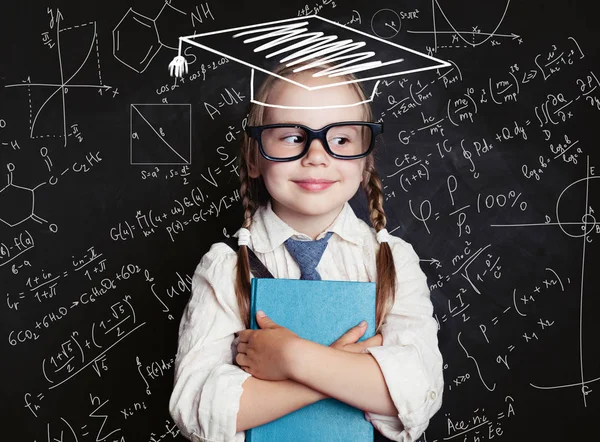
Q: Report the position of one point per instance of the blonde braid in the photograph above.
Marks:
(386, 271)
(242, 280)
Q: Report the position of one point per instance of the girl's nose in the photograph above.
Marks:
(316, 153)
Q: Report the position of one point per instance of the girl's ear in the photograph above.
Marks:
(364, 176)
(253, 168)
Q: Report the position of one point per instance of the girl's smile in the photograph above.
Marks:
(314, 185)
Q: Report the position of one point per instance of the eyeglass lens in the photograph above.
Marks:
(345, 140)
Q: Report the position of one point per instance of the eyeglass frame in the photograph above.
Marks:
(255, 132)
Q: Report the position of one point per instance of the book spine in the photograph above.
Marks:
(253, 324)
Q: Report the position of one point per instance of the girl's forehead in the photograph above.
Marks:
(313, 118)
(320, 101)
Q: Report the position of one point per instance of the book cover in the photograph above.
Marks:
(320, 311)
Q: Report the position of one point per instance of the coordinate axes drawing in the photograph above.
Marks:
(464, 37)
(58, 91)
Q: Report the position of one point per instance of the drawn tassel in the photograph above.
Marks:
(178, 66)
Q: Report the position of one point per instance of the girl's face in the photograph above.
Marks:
(310, 208)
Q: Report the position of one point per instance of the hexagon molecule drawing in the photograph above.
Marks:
(137, 39)
(17, 203)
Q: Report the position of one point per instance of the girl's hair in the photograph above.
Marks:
(254, 194)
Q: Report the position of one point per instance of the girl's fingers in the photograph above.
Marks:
(350, 336)
(373, 341)
(241, 359)
(242, 347)
(244, 335)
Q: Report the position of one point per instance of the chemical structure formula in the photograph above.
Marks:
(17, 203)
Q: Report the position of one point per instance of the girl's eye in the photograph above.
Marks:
(339, 141)
(293, 139)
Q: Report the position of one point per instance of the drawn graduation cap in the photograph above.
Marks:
(306, 42)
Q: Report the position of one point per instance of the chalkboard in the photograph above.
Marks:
(490, 170)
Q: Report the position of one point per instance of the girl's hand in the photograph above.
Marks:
(347, 341)
(263, 353)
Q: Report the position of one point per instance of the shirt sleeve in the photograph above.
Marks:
(208, 386)
(409, 357)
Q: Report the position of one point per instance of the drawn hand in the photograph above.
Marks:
(262, 353)
(178, 66)
(347, 341)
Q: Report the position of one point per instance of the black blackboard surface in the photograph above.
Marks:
(490, 170)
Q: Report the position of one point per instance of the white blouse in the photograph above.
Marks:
(208, 386)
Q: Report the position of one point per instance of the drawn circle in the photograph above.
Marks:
(570, 194)
(387, 25)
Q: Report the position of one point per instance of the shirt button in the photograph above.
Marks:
(432, 394)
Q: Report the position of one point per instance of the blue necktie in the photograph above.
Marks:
(308, 254)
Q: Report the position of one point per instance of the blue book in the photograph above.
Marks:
(319, 311)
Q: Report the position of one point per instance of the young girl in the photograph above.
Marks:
(293, 189)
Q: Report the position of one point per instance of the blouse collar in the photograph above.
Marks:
(268, 231)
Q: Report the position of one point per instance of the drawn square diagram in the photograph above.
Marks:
(160, 134)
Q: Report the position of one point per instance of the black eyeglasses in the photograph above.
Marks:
(348, 140)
